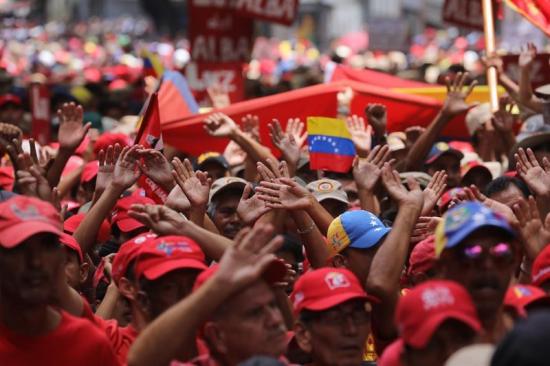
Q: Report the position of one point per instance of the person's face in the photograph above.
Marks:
(214, 170)
(336, 336)
(479, 178)
(170, 288)
(29, 273)
(12, 114)
(451, 165)
(510, 196)
(334, 207)
(487, 277)
(225, 216)
(250, 324)
(76, 272)
(357, 261)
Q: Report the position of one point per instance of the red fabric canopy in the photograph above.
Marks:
(404, 110)
(375, 78)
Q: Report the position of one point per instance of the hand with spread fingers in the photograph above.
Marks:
(195, 185)
(177, 200)
(527, 56)
(251, 126)
(107, 160)
(251, 207)
(535, 233)
(397, 191)
(361, 135)
(472, 193)
(424, 227)
(160, 219)
(126, 171)
(433, 191)
(455, 103)
(285, 142)
(366, 172)
(284, 193)
(71, 130)
(536, 176)
(157, 168)
(296, 128)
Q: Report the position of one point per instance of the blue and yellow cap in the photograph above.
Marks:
(355, 229)
(462, 220)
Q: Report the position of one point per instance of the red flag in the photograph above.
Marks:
(150, 137)
(536, 11)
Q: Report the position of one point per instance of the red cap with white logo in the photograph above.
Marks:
(424, 308)
(324, 288)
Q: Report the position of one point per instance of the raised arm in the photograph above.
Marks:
(366, 173)
(526, 97)
(454, 105)
(389, 260)
(174, 330)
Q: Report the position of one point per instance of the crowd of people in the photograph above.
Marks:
(427, 252)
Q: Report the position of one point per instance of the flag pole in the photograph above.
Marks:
(489, 30)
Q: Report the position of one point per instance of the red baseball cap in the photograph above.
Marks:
(325, 288)
(7, 178)
(422, 257)
(10, 98)
(22, 217)
(274, 272)
(164, 254)
(448, 196)
(540, 271)
(90, 171)
(519, 297)
(106, 139)
(424, 308)
(72, 223)
(70, 242)
(127, 252)
(392, 354)
(119, 215)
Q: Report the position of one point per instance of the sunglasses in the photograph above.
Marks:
(501, 253)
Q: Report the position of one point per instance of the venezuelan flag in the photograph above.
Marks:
(152, 65)
(330, 145)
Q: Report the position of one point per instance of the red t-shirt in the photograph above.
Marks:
(121, 338)
(75, 341)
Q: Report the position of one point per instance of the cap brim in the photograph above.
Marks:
(163, 268)
(453, 152)
(458, 237)
(362, 243)
(14, 235)
(237, 184)
(324, 197)
(421, 337)
(128, 224)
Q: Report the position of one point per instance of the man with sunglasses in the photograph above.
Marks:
(478, 249)
(333, 321)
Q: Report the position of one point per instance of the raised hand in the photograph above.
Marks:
(157, 168)
(397, 190)
(8, 133)
(424, 227)
(71, 130)
(195, 185)
(160, 219)
(360, 135)
(177, 200)
(472, 193)
(270, 171)
(536, 176)
(535, 233)
(527, 56)
(455, 103)
(296, 128)
(495, 61)
(107, 160)
(251, 126)
(220, 125)
(433, 191)
(285, 193)
(218, 95)
(126, 171)
(250, 207)
(377, 117)
(366, 172)
(503, 119)
(246, 260)
(31, 180)
(285, 142)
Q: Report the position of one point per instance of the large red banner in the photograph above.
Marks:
(227, 75)
(536, 11)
